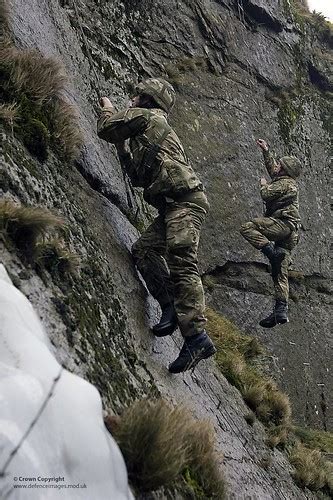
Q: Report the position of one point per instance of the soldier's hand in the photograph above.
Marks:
(263, 181)
(105, 102)
(262, 144)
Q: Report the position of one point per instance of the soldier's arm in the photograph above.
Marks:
(269, 161)
(117, 127)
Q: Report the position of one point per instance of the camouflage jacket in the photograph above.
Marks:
(280, 195)
(170, 173)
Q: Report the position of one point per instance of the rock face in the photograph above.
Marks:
(242, 70)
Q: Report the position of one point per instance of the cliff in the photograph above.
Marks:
(242, 70)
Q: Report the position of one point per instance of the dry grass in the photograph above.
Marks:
(41, 78)
(56, 258)
(311, 470)
(161, 444)
(203, 471)
(66, 132)
(9, 114)
(236, 356)
(36, 84)
(150, 438)
(315, 439)
(23, 225)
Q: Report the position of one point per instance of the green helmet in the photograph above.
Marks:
(291, 165)
(160, 90)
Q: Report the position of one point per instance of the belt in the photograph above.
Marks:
(196, 196)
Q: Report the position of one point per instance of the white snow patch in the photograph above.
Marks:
(69, 439)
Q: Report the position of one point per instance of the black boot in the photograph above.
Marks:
(279, 315)
(194, 349)
(275, 256)
(168, 322)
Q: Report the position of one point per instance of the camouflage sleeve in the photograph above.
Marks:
(117, 127)
(280, 189)
(269, 162)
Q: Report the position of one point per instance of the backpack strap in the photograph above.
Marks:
(153, 149)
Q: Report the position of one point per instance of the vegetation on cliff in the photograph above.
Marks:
(164, 445)
(33, 105)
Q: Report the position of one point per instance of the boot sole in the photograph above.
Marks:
(210, 351)
(281, 322)
(164, 332)
(200, 357)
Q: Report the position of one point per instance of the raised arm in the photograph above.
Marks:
(268, 157)
(117, 127)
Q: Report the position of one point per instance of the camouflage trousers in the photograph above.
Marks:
(166, 256)
(261, 231)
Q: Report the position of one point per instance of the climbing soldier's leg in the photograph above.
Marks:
(281, 284)
(148, 253)
(183, 225)
(184, 221)
(280, 279)
(262, 230)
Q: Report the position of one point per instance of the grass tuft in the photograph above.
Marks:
(56, 258)
(162, 444)
(41, 78)
(311, 471)
(312, 438)
(236, 358)
(9, 114)
(24, 225)
(66, 132)
(35, 84)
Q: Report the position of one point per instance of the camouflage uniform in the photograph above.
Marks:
(166, 253)
(281, 221)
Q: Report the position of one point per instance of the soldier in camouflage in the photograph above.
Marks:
(276, 234)
(166, 253)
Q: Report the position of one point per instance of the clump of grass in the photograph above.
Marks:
(162, 444)
(66, 133)
(311, 470)
(236, 356)
(23, 226)
(39, 77)
(9, 114)
(150, 437)
(36, 83)
(203, 460)
(313, 438)
(56, 258)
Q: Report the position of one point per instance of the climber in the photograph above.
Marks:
(276, 234)
(166, 253)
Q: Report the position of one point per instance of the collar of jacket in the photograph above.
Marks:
(159, 111)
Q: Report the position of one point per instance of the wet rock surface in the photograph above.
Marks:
(240, 73)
